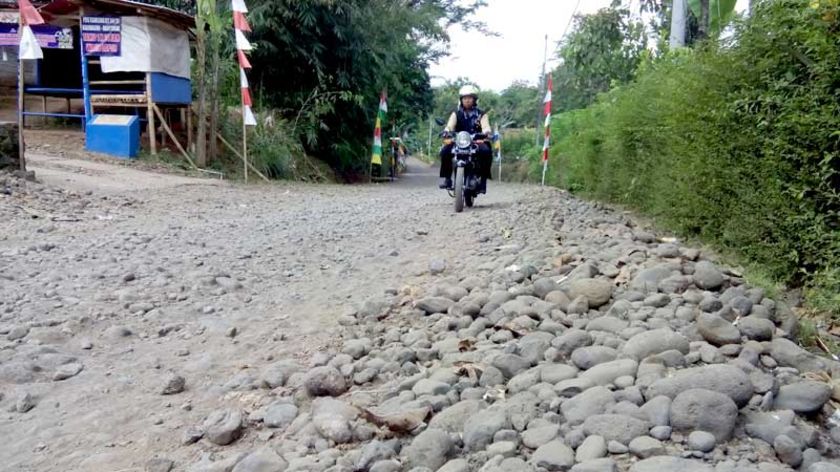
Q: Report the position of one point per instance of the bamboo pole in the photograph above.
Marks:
(236, 152)
(172, 135)
(245, 143)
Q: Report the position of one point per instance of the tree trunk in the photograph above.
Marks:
(678, 23)
(201, 132)
(214, 97)
(703, 27)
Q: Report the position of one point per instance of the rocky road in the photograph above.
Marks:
(157, 323)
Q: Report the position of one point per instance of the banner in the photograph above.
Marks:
(49, 37)
(102, 35)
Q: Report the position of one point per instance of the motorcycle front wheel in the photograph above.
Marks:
(459, 190)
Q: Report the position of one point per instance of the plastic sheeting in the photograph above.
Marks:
(149, 45)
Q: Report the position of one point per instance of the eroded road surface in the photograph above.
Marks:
(152, 322)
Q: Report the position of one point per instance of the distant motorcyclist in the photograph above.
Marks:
(468, 117)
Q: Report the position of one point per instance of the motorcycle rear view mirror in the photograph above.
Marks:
(439, 122)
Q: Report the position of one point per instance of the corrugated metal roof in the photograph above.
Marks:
(126, 7)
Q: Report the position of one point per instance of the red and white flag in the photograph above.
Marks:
(547, 138)
(240, 27)
(29, 47)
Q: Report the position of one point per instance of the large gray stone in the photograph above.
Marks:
(433, 305)
(553, 373)
(824, 467)
(607, 324)
(373, 452)
(431, 449)
(455, 465)
(788, 354)
(544, 286)
(571, 340)
(646, 446)
(596, 291)
(701, 441)
(430, 387)
(648, 280)
(768, 425)
(277, 374)
(704, 410)
(510, 364)
(707, 276)
(596, 465)
(280, 415)
(658, 411)
(788, 450)
(670, 464)
(653, 342)
(593, 401)
(593, 447)
(717, 330)
(325, 381)
(524, 380)
(803, 397)
(758, 329)
(590, 356)
(534, 438)
(606, 373)
(332, 419)
(480, 429)
(619, 428)
(261, 460)
(223, 427)
(454, 418)
(554, 456)
(723, 378)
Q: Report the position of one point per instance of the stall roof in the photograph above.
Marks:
(126, 7)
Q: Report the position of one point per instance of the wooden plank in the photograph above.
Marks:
(172, 135)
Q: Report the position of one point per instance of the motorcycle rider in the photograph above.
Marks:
(468, 117)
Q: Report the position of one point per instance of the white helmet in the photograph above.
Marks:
(468, 90)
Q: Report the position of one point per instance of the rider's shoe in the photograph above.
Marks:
(445, 182)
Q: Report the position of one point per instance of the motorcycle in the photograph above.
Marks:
(465, 178)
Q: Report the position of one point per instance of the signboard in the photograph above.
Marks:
(49, 37)
(9, 17)
(102, 35)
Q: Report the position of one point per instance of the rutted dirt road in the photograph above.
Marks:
(152, 322)
(179, 263)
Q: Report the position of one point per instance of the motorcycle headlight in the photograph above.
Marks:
(463, 140)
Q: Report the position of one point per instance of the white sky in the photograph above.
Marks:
(495, 62)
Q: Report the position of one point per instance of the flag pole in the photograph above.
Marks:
(21, 85)
(245, 143)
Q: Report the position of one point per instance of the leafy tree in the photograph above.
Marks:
(324, 62)
(603, 49)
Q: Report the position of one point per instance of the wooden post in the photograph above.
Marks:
(150, 112)
(21, 105)
(167, 129)
(189, 128)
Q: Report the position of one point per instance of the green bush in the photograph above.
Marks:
(736, 143)
(272, 147)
